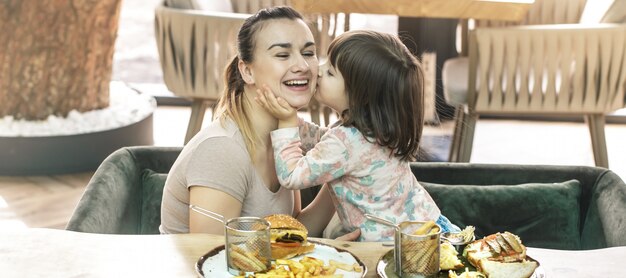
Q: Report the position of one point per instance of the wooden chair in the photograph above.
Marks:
(542, 70)
(455, 74)
(194, 48)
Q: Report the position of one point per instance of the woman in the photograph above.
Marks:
(228, 167)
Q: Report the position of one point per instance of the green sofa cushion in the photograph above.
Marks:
(152, 192)
(545, 215)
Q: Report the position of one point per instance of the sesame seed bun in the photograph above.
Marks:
(284, 221)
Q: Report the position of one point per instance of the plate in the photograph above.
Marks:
(213, 263)
(385, 267)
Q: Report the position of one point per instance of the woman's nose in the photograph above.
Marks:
(300, 64)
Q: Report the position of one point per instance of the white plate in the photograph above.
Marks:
(385, 268)
(213, 263)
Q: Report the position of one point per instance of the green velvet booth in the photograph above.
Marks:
(122, 197)
(560, 207)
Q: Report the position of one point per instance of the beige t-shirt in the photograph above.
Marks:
(217, 158)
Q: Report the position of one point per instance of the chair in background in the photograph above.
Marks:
(545, 14)
(194, 48)
(455, 71)
(196, 39)
(544, 70)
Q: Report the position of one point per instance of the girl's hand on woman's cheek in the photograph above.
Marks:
(276, 106)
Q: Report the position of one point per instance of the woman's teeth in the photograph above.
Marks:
(296, 82)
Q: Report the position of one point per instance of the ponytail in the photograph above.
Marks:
(234, 85)
(232, 105)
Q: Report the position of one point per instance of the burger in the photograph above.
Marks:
(500, 255)
(288, 237)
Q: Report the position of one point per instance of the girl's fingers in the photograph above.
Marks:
(273, 103)
(260, 98)
(283, 103)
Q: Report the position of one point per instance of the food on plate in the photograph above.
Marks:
(429, 227)
(500, 255)
(305, 267)
(247, 261)
(495, 269)
(467, 234)
(460, 238)
(466, 274)
(347, 267)
(448, 258)
(288, 237)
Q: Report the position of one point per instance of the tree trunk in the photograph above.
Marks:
(55, 56)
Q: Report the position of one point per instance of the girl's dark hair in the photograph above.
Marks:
(231, 102)
(384, 84)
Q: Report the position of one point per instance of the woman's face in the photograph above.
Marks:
(285, 60)
(332, 90)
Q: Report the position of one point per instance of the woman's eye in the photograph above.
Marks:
(329, 73)
(282, 55)
(309, 54)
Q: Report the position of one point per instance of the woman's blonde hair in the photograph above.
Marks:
(233, 104)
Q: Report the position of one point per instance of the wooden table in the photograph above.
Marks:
(508, 10)
(59, 253)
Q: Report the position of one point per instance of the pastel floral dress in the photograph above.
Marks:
(364, 178)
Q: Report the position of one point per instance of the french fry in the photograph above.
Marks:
(307, 267)
(347, 267)
(423, 230)
(246, 261)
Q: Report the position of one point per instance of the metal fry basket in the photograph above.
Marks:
(247, 245)
(419, 254)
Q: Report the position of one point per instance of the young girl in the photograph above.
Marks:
(375, 85)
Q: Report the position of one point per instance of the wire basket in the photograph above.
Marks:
(419, 254)
(247, 245)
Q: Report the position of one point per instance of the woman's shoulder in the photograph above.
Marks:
(217, 139)
(218, 128)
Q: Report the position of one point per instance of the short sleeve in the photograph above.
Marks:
(222, 164)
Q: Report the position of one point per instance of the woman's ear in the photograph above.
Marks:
(246, 72)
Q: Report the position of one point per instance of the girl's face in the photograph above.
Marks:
(332, 90)
(285, 60)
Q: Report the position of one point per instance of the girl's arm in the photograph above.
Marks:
(317, 215)
(310, 134)
(327, 161)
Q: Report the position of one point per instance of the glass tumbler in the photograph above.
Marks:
(419, 254)
(247, 245)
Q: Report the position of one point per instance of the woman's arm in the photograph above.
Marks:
(318, 213)
(217, 177)
(215, 201)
